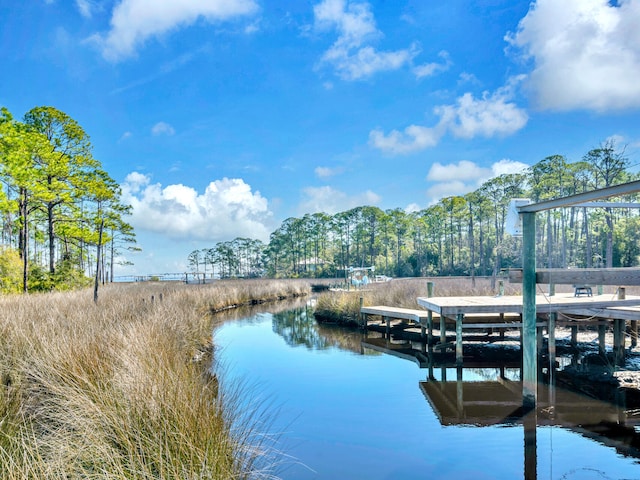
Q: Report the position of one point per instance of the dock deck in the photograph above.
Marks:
(506, 312)
(453, 306)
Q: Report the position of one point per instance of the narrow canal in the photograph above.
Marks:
(341, 411)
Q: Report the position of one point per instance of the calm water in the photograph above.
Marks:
(346, 412)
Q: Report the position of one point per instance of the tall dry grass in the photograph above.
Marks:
(123, 389)
(344, 306)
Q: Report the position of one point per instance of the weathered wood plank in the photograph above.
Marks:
(396, 312)
(621, 313)
(628, 276)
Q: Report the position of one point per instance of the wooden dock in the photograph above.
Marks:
(505, 312)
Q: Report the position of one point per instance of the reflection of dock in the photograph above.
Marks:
(509, 358)
(499, 402)
(485, 403)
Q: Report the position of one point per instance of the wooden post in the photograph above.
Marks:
(634, 333)
(552, 289)
(618, 352)
(602, 329)
(459, 390)
(459, 319)
(619, 333)
(363, 316)
(500, 288)
(574, 335)
(529, 357)
(429, 318)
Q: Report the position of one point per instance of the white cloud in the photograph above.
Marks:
(351, 55)
(466, 176)
(413, 139)
(326, 172)
(463, 170)
(506, 166)
(448, 189)
(495, 114)
(329, 200)
(226, 209)
(162, 128)
(84, 6)
(135, 21)
(585, 53)
(430, 69)
(125, 136)
(412, 208)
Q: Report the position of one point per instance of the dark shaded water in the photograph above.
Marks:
(348, 412)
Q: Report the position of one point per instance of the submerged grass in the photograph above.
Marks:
(123, 389)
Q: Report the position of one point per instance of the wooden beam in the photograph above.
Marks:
(582, 276)
(616, 190)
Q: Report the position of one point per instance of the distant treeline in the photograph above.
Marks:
(459, 235)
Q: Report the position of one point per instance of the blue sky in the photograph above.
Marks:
(221, 118)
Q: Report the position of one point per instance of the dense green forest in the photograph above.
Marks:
(459, 235)
(61, 218)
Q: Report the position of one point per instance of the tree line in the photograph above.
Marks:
(458, 235)
(61, 216)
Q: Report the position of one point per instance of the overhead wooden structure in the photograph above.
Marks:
(529, 277)
(594, 276)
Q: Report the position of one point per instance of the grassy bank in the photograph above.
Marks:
(122, 389)
(344, 307)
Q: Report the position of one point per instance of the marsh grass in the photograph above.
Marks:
(123, 389)
(344, 306)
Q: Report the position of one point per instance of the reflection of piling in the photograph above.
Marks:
(530, 422)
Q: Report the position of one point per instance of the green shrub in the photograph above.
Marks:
(66, 277)
(10, 271)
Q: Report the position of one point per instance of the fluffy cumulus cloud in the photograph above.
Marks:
(329, 200)
(228, 208)
(493, 114)
(135, 21)
(465, 176)
(352, 55)
(585, 53)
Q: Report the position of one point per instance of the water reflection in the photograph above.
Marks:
(475, 409)
(298, 327)
(487, 391)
